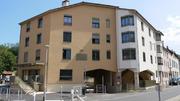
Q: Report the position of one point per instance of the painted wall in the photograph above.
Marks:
(126, 64)
(148, 51)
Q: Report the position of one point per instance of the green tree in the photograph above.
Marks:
(7, 59)
(14, 49)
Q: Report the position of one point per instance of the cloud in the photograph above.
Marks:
(172, 33)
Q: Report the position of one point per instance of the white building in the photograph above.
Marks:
(170, 66)
(138, 45)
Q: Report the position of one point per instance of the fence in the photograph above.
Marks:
(15, 94)
(76, 92)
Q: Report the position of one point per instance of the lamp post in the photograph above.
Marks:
(45, 72)
(83, 57)
(170, 78)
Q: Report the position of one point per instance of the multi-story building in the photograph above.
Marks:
(89, 43)
(173, 63)
(170, 66)
(82, 28)
(136, 48)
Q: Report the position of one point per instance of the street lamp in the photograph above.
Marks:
(170, 74)
(83, 57)
(45, 72)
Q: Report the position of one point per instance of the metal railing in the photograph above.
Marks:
(76, 92)
(10, 94)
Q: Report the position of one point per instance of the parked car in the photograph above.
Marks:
(174, 81)
(178, 80)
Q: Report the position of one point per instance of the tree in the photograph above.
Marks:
(14, 48)
(7, 59)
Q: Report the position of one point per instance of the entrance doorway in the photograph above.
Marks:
(99, 80)
(127, 80)
(146, 78)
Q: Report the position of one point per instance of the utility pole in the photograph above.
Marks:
(159, 86)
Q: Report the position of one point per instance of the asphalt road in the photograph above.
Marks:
(149, 95)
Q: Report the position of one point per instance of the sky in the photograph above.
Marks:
(164, 15)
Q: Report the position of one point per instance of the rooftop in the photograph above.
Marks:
(93, 4)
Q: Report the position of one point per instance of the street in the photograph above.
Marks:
(146, 95)
(149, 95)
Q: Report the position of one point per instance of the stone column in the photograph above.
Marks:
(136, 80)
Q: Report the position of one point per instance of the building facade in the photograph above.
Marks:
(136, 49)
(170, 66)
(89, 44)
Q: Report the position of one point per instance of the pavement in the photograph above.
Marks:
(167, 94)
(177, 98)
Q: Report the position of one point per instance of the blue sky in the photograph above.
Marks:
(162, 14)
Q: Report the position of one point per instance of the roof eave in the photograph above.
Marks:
(65, 7)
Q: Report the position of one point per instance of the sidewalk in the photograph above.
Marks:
(177, 98)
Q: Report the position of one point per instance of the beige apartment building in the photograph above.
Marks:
(70, 31)
(89, 44)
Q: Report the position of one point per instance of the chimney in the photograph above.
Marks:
(167, 47)
(65, 3)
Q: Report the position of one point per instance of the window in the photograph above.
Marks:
(95, 23)
(38, 55)
(143, 41)
(149, 32)
(142, 26)
(144, 56)
(160, 61)
(108, 23)
(158, 37)
(65, 75)
(66, 54)
(108, 54)
(150, 43)
(67, 20)
(127, 21)
(25, 56)
(39, 38)
(159, 49)
(40, 23)
(95, 55)
(27, 42)
(95, 38)
(108, 38)
(129, 54)
(128, 37)
(28, 27)
(67, 36)
(151, 59)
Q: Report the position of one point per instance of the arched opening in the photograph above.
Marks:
(146, 78)
(99, 78)
(127, 80)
